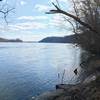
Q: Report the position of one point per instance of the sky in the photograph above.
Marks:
(29, 22)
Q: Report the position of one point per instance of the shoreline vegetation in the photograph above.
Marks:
(10, 40)
(65, 39)
(87, 89)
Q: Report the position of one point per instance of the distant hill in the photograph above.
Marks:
(10, 40)
(65, 39)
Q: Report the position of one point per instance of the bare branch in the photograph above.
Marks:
(68, 20)
(58, 10)
(75, 8)
(56, 6)
(5, 13)
(58, 3)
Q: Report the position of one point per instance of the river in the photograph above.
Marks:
(28, 69)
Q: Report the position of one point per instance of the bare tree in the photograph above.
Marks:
(87, 19)
(58, 10)
(5, 9)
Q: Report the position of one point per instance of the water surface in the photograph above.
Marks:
(28, 69)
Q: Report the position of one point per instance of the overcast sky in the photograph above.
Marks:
(29, 22)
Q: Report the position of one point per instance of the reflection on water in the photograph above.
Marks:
(28, 69)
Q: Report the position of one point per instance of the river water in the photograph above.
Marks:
(28, 69)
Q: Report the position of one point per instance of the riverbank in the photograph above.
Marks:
(88, 89)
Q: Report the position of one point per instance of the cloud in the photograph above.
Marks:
(57, 20)
(26, 26)
(32, 17)
(23, 3)
(63, 1)
(43, 8)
